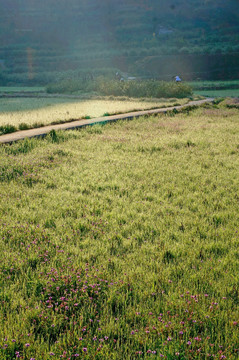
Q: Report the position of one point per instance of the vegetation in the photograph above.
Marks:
(218, 93)
(143, 88)
(22, 112)
(42, 41)
(121, 242)
(6, 129)
(21, 89)
(216, 88)
(214, 85)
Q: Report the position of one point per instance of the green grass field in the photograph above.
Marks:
(216, 88)
(121, 241)
(210, 84)
(21, 89)
(218, 93)
(31, 111)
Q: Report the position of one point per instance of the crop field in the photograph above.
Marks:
(229, 84)
(121, 241)
(21, 89)
(218, 93)
(43, 111)
(216, 88)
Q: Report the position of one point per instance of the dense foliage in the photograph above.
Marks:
(102, 86)
(121, 242)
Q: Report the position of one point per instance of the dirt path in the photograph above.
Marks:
(20, 135)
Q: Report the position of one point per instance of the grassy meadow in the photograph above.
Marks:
(211, 85)
(121, 241)
(21, 89)
(33, 112)
(223, 89)
(219, 93)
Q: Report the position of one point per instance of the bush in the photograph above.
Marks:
(110, 87)
(67, 86)
(24, 126)
(146, 88)
(7, 129)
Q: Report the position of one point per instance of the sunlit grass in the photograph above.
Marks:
(47, 110)
(121, 241)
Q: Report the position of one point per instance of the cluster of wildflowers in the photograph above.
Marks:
(71, 300)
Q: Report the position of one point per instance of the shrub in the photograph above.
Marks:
(146, 88)
(7, 129)
(24, 126)
(53, 136)
(111, 87)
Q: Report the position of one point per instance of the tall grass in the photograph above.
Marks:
(143, 88)
(121, 242)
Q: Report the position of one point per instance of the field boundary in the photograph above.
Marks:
(43, 131)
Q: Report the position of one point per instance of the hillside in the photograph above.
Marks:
(41, 41)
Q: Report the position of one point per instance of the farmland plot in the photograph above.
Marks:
(121, 241)
(35, 112)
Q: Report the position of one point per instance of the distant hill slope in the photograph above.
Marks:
(42, 40)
